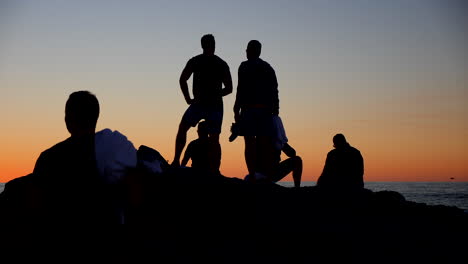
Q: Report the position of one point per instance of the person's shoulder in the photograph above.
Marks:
(57, 148)
(355, 150)
(266, 64)
(194, 60)
(333, 152)
(197, 57)
(244, 64)
(220, 60)
(193, 142)
(52, 155)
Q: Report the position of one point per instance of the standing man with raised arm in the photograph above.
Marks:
(210, 73)
(257, 101)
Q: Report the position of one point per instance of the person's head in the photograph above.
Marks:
(339, 141)
(254, 48)
(81, 113)
(208, 44)
(202, 129)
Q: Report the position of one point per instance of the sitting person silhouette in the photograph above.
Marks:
(197, 152)
(81, 176)
(344, 167)
(272, 169)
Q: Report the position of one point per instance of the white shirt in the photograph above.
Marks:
(280, 133)
(114, 154)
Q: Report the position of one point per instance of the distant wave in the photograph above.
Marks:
(431, 193)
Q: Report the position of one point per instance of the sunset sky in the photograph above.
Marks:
(392, 76)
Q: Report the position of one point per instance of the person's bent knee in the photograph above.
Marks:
(297, 160)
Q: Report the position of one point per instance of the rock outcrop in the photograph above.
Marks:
(183, 217)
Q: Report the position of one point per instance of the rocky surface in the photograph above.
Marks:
(182, 217)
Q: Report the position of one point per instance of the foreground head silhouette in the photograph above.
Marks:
(81, 113)
(254, 49)
(208, 44)
(344, 167)
(202, 130)
(339, 141)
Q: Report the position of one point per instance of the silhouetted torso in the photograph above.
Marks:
(72, 188)
(257, 85)
(69, 158)
(344, 169)
(209, 71)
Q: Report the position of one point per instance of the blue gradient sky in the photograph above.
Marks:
(390, 75)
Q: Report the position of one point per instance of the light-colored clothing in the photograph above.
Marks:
(114, 155)
(280, 136)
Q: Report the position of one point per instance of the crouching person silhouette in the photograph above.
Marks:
(344, 167)
(270, 168)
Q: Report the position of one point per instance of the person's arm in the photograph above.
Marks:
(326, 168)
(288, 150)
(184, 76)
(227, 81)
(239, 94)
(275, 93)
(187, 155)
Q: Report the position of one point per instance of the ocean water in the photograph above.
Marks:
(432, 193)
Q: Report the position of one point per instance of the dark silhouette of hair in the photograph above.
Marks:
(81, 110)
(339, 140)
(208, 42)
(254, 48)
(203, 128)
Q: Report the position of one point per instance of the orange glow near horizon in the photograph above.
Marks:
(389, 75)
(378, 166)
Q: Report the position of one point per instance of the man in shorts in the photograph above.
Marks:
(256, 103)
(210, 73)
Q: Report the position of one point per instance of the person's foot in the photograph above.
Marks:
(175, 164)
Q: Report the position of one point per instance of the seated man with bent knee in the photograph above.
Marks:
(270, 168)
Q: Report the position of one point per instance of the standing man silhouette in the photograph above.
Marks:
(256, 103)
(210, 72)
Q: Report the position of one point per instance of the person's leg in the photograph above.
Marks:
(283, 169)
(190, 119)
(214, 119)
(250, 154)
(181, 139)
(297, 171)
(214, 153)
(293, 164)
(267, 156)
